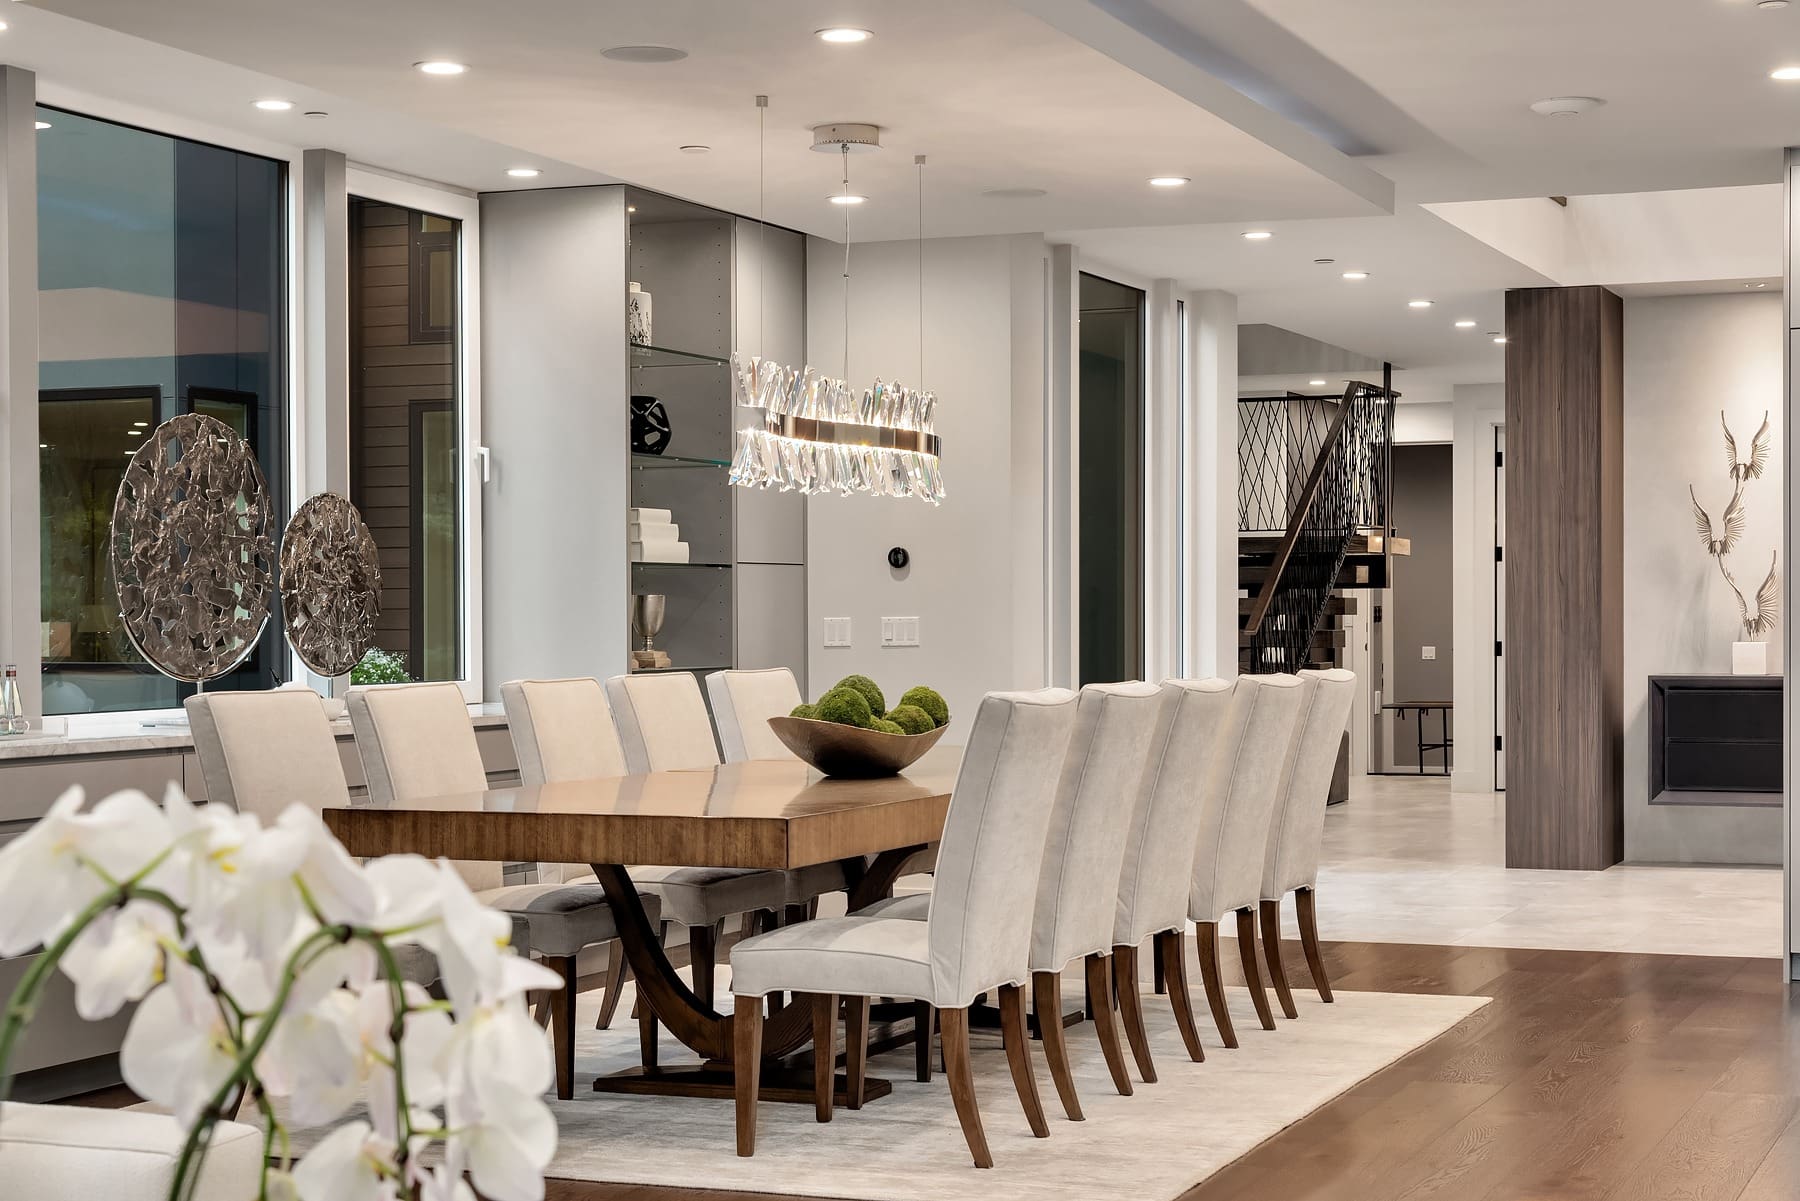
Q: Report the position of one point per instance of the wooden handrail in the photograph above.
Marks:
(1284, 550)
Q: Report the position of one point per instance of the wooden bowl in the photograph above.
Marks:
(851, 752)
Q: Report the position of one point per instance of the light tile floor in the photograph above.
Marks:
(1407, 860)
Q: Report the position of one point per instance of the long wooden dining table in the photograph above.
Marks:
(763, 814)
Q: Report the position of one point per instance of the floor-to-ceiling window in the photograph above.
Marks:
(405, 301)
(161, 268)
(1111, 476)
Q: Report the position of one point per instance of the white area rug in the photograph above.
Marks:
(1152, 1146)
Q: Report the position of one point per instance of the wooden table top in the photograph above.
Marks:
(764, 814)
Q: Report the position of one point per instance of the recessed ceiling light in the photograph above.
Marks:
(843, 35)
(631, 208)
(274, 106)
(315, 114)
(1465, 323)
(1785, 73)
(1257, 235)
(523, 172)
(2, 26)
(1771, 4)
(1324, 262)
(1315, 383)
(1418, 304)
(644, 54)
(695, 148)
(1499, 339)
(438, 66)
(43, 125)
(1566, 106)
(140, 423)
(1168, 181)
(1014, 193)
(1355, 275)
(840, 198)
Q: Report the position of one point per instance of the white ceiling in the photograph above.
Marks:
(993, 97)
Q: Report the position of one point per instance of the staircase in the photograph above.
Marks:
(1313, 519)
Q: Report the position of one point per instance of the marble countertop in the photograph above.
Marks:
(96, 735)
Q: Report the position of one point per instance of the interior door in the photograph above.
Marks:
(1500, 608)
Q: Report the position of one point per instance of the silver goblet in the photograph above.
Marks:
(647, 612)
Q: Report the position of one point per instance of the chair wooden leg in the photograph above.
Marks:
(1131, 1009)
(1270, 912)
(1017, 1038)
(954, 1024)
(1206, 935)
(923, 1020)
(1046, 998)
(701, 958)
(1246, 933)
(1309, 941)
(1099, 987)
(856, 1049)
(562, 1024)
(617, 972)
(1159, 969)
(824, 1024)
(1168, 945)
(746, 1060)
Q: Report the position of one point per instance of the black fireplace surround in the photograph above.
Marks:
(1715, 740)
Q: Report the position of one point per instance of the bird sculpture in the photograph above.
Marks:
(1720, 540)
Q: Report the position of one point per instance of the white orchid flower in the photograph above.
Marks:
(406, 895)
(48, 874)
(474, 949)
(118, 958)
(352, 1163)
(506, 1137)
(178, 1051)
(498, 1050)
(314, 1058)
(335, 882)
(427, 1034)
(441, 1184)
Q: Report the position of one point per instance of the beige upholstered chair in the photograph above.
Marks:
(261, 752)
(79, 1153)
(977, 938)
(1159, 853)
(415, 741)
(1237, 807)
(663, 726)
(1298, 829)
(743, 702)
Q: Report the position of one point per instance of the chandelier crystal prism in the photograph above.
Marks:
(820, 434)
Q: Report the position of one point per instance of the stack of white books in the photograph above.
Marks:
(655, 538)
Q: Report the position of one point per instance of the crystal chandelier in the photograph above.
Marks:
(818, 433)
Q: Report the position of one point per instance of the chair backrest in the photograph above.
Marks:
(416, 741)
(743, 702)
(1298, 827)
(992, 852)
(1192, 731)
(562, 730)
(1239, 801)
(662, 722)
(1090, 819)
(263, 751)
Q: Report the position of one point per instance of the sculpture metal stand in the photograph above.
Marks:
(1750, 655)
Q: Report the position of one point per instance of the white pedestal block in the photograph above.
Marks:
(1749, 658)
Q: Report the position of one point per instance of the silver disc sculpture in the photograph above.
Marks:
(191, 554)
(330, 584)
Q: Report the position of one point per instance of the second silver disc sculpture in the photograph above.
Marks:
(330, 584)
(191, 554)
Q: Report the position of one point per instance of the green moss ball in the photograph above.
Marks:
(847, 707)
(809, 712)
(870, 690)
(928, 700)
(883, 725)
(912, 719)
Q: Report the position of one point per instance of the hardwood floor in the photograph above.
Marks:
(1592, 1075)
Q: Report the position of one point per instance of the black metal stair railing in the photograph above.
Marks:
(1342, 495)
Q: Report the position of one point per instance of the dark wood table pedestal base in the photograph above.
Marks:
(780, 1082)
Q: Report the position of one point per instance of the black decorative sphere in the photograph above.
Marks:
(650, 431)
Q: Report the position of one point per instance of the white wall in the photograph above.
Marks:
(1686, 358)
(1419, 423)
(976, 575)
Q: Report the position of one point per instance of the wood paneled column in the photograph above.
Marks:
(1564, 578)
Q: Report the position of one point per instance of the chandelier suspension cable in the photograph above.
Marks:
(919, 162)
(844, 151)
(762, 254)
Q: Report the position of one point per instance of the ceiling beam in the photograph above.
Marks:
(1121, 30)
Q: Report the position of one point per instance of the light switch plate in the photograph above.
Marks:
(837, 631)
(899, 631)
(1428, 652)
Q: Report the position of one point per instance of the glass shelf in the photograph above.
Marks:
(663, 671)
(685, 566)
(663, 356)
(643, 462)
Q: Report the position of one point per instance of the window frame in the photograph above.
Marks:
(361, 182)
